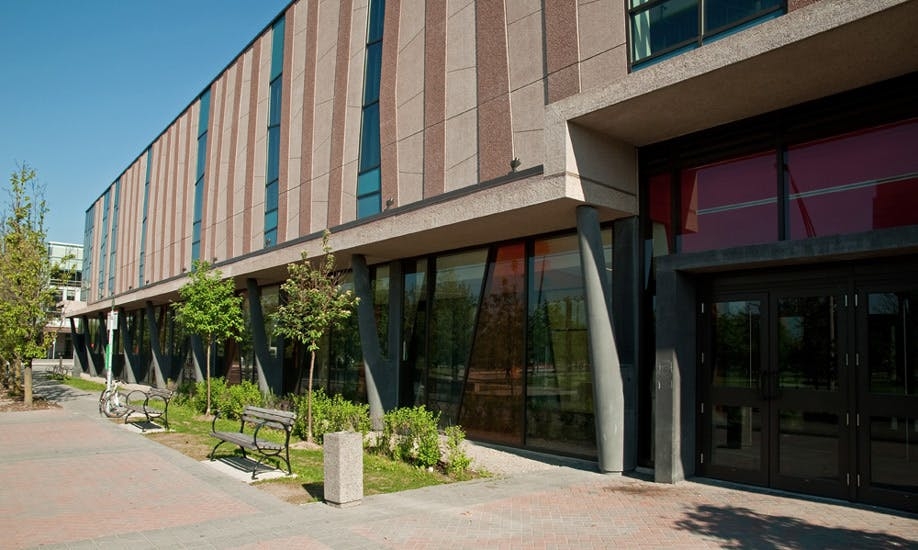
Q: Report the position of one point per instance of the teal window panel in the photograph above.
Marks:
(277, 48)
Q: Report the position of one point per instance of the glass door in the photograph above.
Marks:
(806, 390)
(734, 407)
(887, 394)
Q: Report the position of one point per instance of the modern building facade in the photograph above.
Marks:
(664, 234)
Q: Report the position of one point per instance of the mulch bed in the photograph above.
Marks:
(14, 403)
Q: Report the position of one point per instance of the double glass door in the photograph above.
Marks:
(809, 384)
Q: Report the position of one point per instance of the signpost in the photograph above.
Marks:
(112, 326)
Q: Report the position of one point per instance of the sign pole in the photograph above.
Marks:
(112, 325)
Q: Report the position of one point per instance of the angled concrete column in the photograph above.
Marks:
(131, 372)
(80, 347)
(270, 377)
(155, 346)
(608, 393)
(199, 356)
(379, 383)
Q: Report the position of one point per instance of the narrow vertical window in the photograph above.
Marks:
(369, 190)
(203, 115)
(103, 248)
(272, 177)
(85, 284)
(113, 246)
(141, 263)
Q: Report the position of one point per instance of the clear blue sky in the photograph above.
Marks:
(86, 85)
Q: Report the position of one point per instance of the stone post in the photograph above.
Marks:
(343, 453)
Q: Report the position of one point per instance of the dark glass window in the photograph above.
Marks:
(143, 226)
(660, 28)
(457, 291)
(369, 194)
(272, 173)
(88, 228)
(203, 122)
(855, 182)
(559, 389)
(729, 203)
(492, 403)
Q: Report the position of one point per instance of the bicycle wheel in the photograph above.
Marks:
(106, 404)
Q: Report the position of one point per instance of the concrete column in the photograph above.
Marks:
(131, 368)
(608, 393)
(199, 357)
(155, 345)
(80, 348)
(379, 386)
(626, 289)
(674, 378)
(270, 377)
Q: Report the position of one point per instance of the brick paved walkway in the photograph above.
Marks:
(69, 479)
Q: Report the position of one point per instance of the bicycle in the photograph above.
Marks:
(112, 403)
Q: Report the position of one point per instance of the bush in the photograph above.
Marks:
(330, 414)
(410, 435)
(228, 401)
(457, 462)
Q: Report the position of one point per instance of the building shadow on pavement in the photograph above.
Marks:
(740, 527)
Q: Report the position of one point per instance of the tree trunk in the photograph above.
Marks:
(207, 376)
(27, 383)
(312, 364)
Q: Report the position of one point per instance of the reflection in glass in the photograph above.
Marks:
(894, 453)
(737, 357)
(492, 403)
(457, 291)
(736, 437)
(342, 359)
(855, 182)
(893, 339)
(559, 394)
(729, 203)
(413, 381)
(808, 342)
(808, 445)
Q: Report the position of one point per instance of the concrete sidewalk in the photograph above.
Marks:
(73, 480)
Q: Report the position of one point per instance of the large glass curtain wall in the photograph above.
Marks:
(495, 339)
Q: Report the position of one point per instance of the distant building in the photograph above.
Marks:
(67, 280)
(679, 235)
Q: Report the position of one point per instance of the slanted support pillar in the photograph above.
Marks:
(80, 347)
(199, 356)
(155, 345)
(270, 379)
(382, 392)
(131, 361)
(608, 392)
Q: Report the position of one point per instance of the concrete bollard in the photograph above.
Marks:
(343, 456)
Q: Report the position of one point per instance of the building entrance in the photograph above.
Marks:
(808, 383)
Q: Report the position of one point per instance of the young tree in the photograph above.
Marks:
(315, 303)
(26, 294)
(209, 308)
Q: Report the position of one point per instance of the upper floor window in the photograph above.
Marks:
(272, 178)
(660, 28)
(369, 189)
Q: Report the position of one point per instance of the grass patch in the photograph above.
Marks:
(190, 435)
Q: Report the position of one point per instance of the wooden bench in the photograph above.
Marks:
(259, 418)
(155, 406)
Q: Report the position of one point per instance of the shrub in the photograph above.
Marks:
(457, 462)
(330, 414)
(228, 401)
(410, 435)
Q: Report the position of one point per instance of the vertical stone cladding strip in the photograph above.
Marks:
(562, 52)
(495, 137)
(286, 93)
(250, 151)
(231, 124)
(388, 104)
(186, 214)
(309, 115)
(434, 97)
(130, 221)
(213, 171)
(165, 182)
(156, 209)
(339, 113)
(175, 188)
